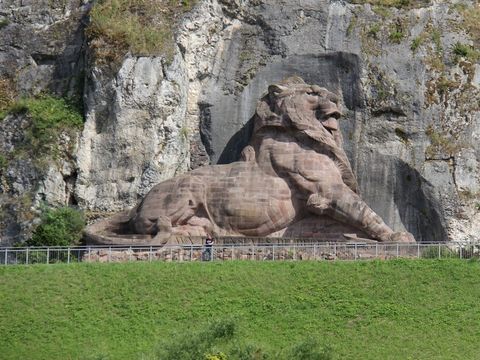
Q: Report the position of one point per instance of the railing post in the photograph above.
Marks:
(233, 252)
(376, 250)
(150, 254)
(418, 250)
(335, 250)
(439, 255)
(397, 251)
(68, 255)
(314, 251)
(6, 256)
(89, 256)
(294, 251)
(273, 252)
(109, 255)
(48, 255)
(460, 251)
(355, 252)
(253, 250)
(26, 258)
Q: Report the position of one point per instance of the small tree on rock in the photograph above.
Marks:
(58, 227)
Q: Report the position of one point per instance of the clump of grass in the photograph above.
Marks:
(49, 116)
(184, 132)
(309, 349)
(439, 142)
(399, 4)
(416, 42)
(373, 31)
(471, 20)
(465, 51)
(7, 96)
(204, 344)
(444, 85)
(382, 11)
(396, 35)
(436, 38)
(142, 27)
(199, 344)
(3, 162)
(352, 25)
(4, 22)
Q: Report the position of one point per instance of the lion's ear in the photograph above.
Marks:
(276, 89)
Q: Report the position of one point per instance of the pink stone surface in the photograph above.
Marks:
(294, 180)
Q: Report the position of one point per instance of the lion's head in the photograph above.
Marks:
(307, 110)
(294, 104)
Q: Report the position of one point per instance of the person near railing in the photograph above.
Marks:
(207, 252)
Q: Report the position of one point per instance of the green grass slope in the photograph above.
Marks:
(401, 309)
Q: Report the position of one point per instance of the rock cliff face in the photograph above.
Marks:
(409, 78)
(41, 51)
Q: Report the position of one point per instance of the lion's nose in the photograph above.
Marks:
(328, 109)
(330, 124)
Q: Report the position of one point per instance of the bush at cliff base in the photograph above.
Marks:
(58, 227)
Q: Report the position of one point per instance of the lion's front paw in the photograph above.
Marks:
(401, 236)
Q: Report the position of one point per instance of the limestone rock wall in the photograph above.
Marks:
(411, 123)
(41, 51)
(134, 133)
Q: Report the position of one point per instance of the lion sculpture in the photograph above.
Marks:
(293, 178)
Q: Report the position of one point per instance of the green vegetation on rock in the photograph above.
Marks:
(142, 27)
(7, 96)
(4, 22)
(3, 162)
(397, 31)
(416, 42)
(374, 29)
(465, 51)
(471, 19)
(204, 344)
(418, 309)
(440, 143)
(49, 117)
(58, 227)
(400, 4)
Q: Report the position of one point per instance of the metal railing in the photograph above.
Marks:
(225, 252)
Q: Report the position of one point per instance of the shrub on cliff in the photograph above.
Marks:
(58, 227)
(49, 115)
(142, 27)
(49, 129)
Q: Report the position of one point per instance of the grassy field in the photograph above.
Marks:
(423, 309)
